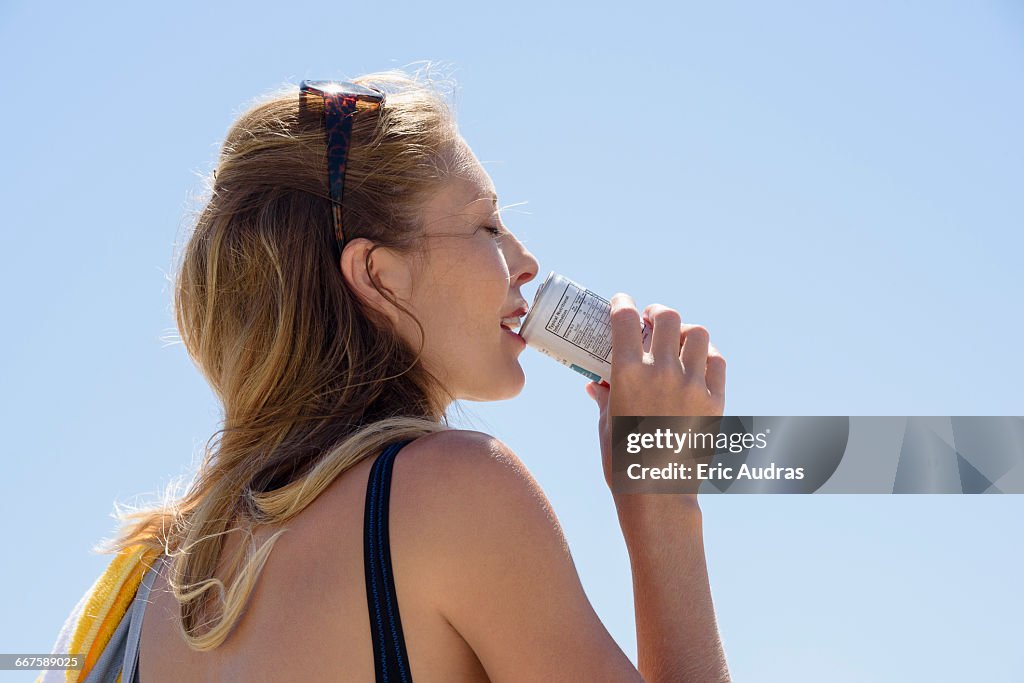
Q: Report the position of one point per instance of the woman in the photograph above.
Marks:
(334, 349)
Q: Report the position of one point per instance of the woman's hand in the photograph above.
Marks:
(681, 373)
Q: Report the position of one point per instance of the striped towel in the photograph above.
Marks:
(94, 621)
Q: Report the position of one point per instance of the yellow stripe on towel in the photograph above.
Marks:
(109, 599)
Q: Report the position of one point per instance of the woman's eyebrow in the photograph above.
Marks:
(492, 207)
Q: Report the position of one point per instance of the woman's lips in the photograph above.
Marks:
(514, 334)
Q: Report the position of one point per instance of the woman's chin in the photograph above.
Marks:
(509, 385)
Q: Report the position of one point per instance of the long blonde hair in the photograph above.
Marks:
(311, 380)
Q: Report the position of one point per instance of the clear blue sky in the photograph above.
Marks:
(833, 189)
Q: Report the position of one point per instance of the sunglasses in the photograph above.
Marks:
(341, 100)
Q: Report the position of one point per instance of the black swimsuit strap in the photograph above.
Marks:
(390, 659)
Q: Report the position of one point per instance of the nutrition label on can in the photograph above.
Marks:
(583, 319)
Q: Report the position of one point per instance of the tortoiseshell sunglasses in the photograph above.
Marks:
(341, 100)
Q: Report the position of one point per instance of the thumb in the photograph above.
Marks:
(598, 392)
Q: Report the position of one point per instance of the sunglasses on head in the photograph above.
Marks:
(341, 100)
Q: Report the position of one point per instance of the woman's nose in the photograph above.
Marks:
(527, 268)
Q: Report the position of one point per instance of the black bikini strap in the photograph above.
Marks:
(390, 659)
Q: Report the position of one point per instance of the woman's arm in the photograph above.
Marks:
(676, 634)
(676, 372)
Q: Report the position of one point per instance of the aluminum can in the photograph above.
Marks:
(573, 325)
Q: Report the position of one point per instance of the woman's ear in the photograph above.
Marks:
(389, 269)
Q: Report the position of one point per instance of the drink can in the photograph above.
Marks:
(573, 325)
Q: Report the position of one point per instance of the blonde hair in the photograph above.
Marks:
(311, 380)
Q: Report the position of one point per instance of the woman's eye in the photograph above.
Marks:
(497, 232)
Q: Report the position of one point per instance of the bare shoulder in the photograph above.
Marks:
(455, 447)
(490, 556)
(463, 456)
(466, 478)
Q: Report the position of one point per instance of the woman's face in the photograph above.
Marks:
(470, 281)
